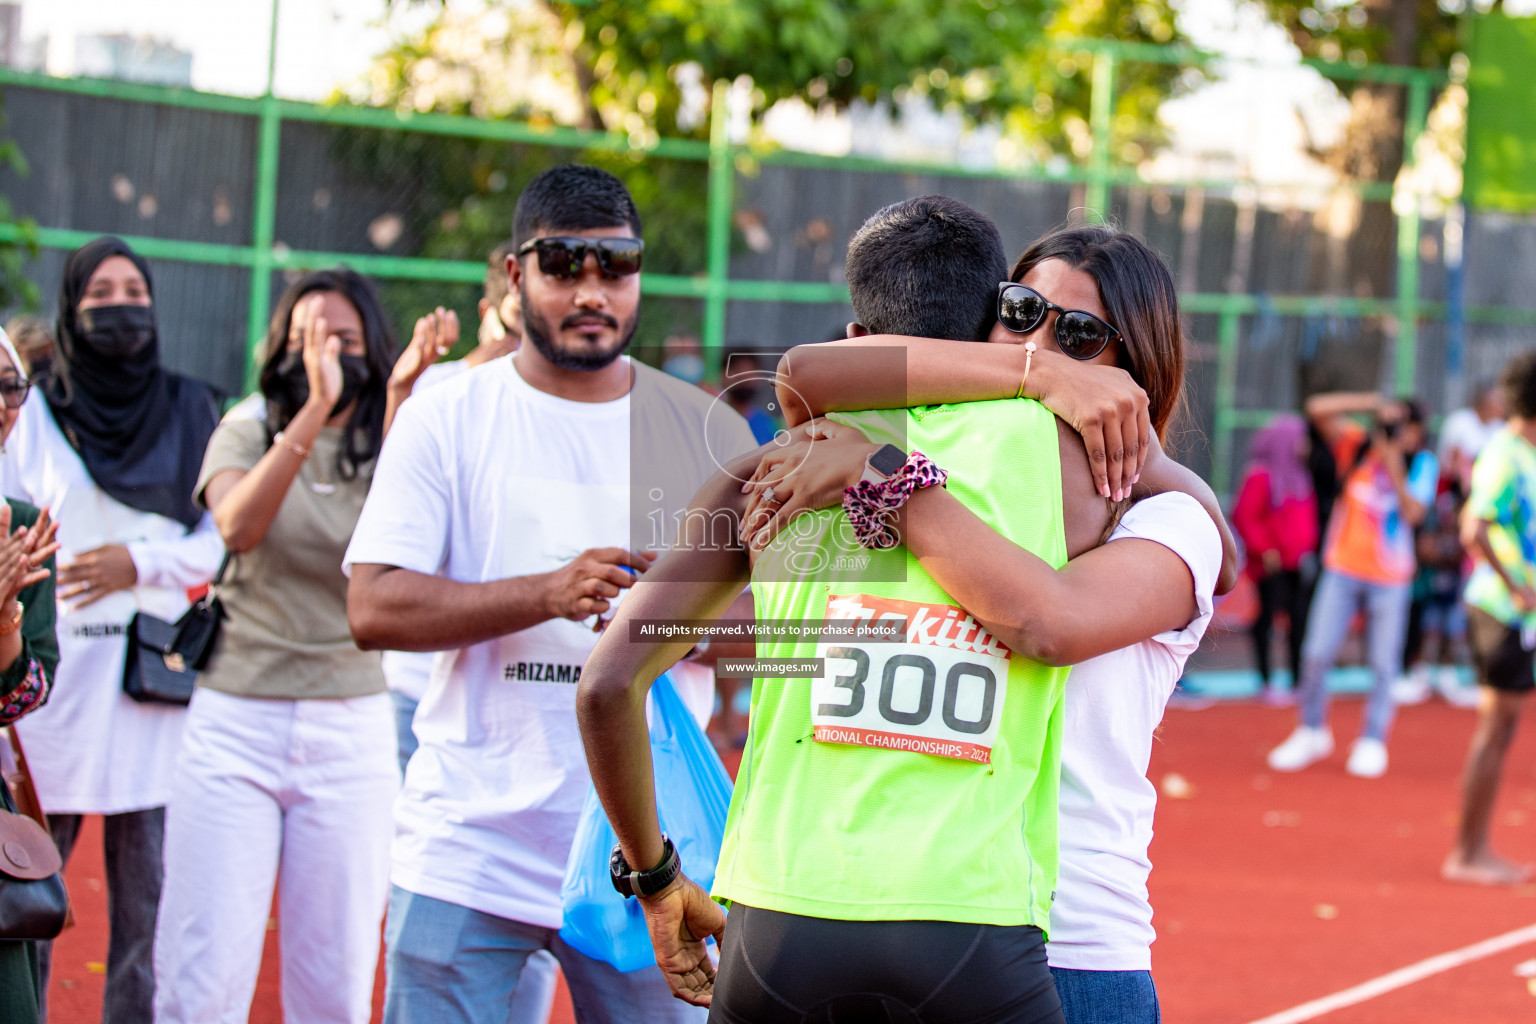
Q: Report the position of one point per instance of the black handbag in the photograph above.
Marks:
(33, 902)
(164, 658)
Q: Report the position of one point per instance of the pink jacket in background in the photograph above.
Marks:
(1290, 529)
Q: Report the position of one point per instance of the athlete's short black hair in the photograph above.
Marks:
(573, 197)
(927, 267)
(1519, 383)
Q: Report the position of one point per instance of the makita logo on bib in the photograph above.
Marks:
(936, 625)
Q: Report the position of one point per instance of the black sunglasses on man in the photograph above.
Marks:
(563, 255)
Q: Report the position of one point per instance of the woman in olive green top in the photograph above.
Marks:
(287, 767)
(29, 652)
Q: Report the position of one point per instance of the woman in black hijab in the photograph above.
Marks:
(140, 429)
(114, 451)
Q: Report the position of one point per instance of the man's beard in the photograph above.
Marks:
(536, 330)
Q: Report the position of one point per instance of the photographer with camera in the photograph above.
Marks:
(1368, 561)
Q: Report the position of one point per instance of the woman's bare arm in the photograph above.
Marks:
(883, 371)
(1113, 596)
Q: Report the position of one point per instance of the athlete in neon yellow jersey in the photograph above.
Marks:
(894, 820)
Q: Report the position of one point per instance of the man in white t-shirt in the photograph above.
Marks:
(510, 509)
(1466, 431)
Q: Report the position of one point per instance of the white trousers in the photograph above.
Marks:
(292, 792)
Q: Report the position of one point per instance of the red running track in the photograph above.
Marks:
(1270, 890)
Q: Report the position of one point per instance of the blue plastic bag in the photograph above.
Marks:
(693, 793)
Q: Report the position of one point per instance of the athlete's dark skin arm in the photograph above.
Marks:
(696, 580)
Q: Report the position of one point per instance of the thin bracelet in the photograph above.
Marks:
(1029, 357)
(302, 452)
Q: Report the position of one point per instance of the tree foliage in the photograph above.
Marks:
(644, 66)
(1403, 32)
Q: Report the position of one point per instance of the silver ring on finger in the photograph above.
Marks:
(768, 495)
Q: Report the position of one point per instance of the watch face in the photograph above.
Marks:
(887, 460)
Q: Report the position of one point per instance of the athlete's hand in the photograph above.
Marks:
(585, 586)
(1105, 406)
(811, 473)
(680, 918)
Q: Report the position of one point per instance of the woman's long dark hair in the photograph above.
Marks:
(1138, 294)
(364, 433)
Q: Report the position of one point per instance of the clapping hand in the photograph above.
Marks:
(322, 351)
(22, 554)
(434, 336)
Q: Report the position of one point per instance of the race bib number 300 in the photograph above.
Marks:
(940, 692)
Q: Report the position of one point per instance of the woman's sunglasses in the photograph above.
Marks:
(1079, 333)
(563, 256)
(13, 390)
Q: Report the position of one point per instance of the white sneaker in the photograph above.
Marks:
(1367, 759)
(1412, 688)
(1306, 746)
(1452, 691)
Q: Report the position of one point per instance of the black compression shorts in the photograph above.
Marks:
(785, 969)
(1501, 658)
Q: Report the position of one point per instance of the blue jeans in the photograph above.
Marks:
(447, 964)
(405, 714)
(1107, 997)
(1333, 606)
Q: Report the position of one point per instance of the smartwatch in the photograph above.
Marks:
(629, 882)
(882, 464)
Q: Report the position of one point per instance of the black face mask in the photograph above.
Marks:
(354, 377)
(117, 332)
(293, 382)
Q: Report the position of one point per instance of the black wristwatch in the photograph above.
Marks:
(629, 882)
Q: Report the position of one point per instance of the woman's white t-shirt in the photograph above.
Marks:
(91, 749)
(1102, 920)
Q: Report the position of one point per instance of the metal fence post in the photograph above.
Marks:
(1226, 400)
(263, 216)
(722, 172)
(1406, 357)
(1101, 115)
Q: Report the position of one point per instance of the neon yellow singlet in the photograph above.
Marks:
(919, 780)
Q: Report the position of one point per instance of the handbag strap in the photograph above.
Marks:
(24, 789)
(218, 577)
